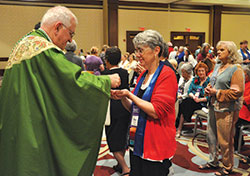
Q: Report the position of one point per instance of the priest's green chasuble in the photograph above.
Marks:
(51, 114)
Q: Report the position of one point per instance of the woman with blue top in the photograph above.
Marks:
(196, 99)
(152, 104)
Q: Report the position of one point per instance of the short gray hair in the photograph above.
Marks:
(149, 38)
(71, 46)
(165, 50)
(232, 49)
(246, 69)
(188, 67)
(58, 13)
(204, 45)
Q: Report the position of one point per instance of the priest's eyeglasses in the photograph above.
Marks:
(71, 33)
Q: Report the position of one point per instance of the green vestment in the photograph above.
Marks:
(51, 114)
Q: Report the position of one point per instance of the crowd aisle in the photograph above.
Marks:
(185, 162)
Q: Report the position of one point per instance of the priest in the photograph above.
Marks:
(51, 113)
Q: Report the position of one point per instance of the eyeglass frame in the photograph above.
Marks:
(71, 33)
(140, 51)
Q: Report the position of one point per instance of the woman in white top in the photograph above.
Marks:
(185, 80)
(172, 55)
(183, 86)
(123, 62)
(132, 63)
(188, 57)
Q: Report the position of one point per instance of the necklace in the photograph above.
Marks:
(223, 67)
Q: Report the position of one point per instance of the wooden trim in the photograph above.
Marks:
(83, 5)
(142, 4)
(4, 59)
(236, 13)
(187, 33)
(3, 62)
(89, 2)
(125, 5)
(113, 22)
(235, 9)
(105, 22)
(189, 11)
(211, 24)
(217, 10)
(190, 7)
(144, 9)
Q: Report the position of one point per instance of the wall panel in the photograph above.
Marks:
(16, 21)
(235, 28)
(162, 21)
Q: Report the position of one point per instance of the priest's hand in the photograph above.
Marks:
(115, 80)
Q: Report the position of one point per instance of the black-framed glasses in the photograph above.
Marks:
(71, 33)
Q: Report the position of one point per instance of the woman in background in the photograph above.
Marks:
(183, 86)
(225, 90)
(204, 53)
(117, 131)
(188, 57)
(93, 62)
(244, 114)
(196, 93)
(123, 61)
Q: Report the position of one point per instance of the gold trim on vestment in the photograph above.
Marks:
(27, 48)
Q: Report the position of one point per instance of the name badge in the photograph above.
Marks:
(133, 125)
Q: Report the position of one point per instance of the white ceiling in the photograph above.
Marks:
(227, 3)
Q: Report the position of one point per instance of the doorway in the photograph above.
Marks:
(192, 38)
(129, 38)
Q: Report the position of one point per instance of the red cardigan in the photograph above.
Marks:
(159, 138)
(244, 112)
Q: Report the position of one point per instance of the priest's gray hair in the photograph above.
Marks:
(188, 67)
(232, 49)
(71, 46)
(149, 38)
(58, 13)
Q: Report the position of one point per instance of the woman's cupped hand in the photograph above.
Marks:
(119, 94)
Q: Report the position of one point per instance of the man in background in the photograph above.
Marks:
(71, 56)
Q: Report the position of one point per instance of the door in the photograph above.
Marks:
(192, 38)
(129, 38)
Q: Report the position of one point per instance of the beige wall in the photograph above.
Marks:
(16, 21)
(235, 28)
(163, 22)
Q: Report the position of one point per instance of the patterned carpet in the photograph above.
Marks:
(189, 155)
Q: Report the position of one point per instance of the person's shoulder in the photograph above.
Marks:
(194, 78)
(167, 70)
(191, 56)
(104, 72)
(247, 85)
(122, 70)
(77, 57)
(208, 79)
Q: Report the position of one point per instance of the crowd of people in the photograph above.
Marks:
(54, 101)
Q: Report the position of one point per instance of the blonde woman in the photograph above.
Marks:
(225, 90)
